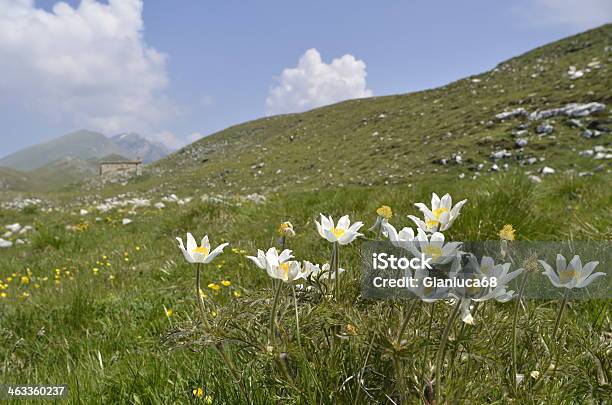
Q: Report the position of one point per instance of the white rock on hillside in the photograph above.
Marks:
(14, 228)
(547, 170)
(570, 110)
(5, 243)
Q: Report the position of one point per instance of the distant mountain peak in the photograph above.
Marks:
(85, 145)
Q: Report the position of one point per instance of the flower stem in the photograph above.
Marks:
(514, 328)
(440, 357)
(556, 329)
(297, 318)
(274, 307)
(402, 328)
(334, 264)
(559, 315)
(198, 295)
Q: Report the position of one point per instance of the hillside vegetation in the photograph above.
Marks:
(400, 139)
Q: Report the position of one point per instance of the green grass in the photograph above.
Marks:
(59, 333)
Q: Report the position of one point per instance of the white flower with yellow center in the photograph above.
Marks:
(342, 232)
(571, 275)
(433, 246)
(486, 269)
(441, 215)
(279, 266)
(199, 254)
(402, 239)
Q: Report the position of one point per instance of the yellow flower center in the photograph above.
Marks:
(338, 232)
(567, 275)
(201, 250)
(431, 223)
(439, 211)
(385, 212)
(284, 267)
(433, 251)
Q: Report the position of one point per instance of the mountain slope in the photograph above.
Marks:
(399, 139)
(11, 179)
(135, 146)
(82, 144)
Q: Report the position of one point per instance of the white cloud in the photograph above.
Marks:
(168, 139)
(581, 14)
(194, 137)
(87, 66)
(314, 83)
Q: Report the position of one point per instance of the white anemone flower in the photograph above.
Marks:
(433, 246)
(279, 266)
(321, 272)
(342, 232)
(441, 215)
(402, 239)
(571, 275)
(199, 254)
(486, 269)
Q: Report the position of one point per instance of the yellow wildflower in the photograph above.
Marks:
(351, 329)
(385, 212)
(226, 283)
(25, 280)
(507, 232)
(286, 229)
(237, 294)
(168, 312)
(214, 286)
(198, 392)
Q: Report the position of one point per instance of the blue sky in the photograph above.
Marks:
(175, 71)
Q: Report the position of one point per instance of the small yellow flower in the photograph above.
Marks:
(208, 400)
(126, 259)
(95, 270)
(286, 229)
(226, 283)
(25, 280)
(214, 286)
(104, 257)
(237, 294)
(213, 314)
(351, 329)
(137, 248)
(14, 274)
(111, 277)
(385, 212)
(57, 283)
(507, 232)
(3, 295)
(36, 285)
(25, 295)
(9, 279)
(198, 392)
(168, 312)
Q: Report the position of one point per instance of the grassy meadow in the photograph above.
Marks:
(109, 309)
